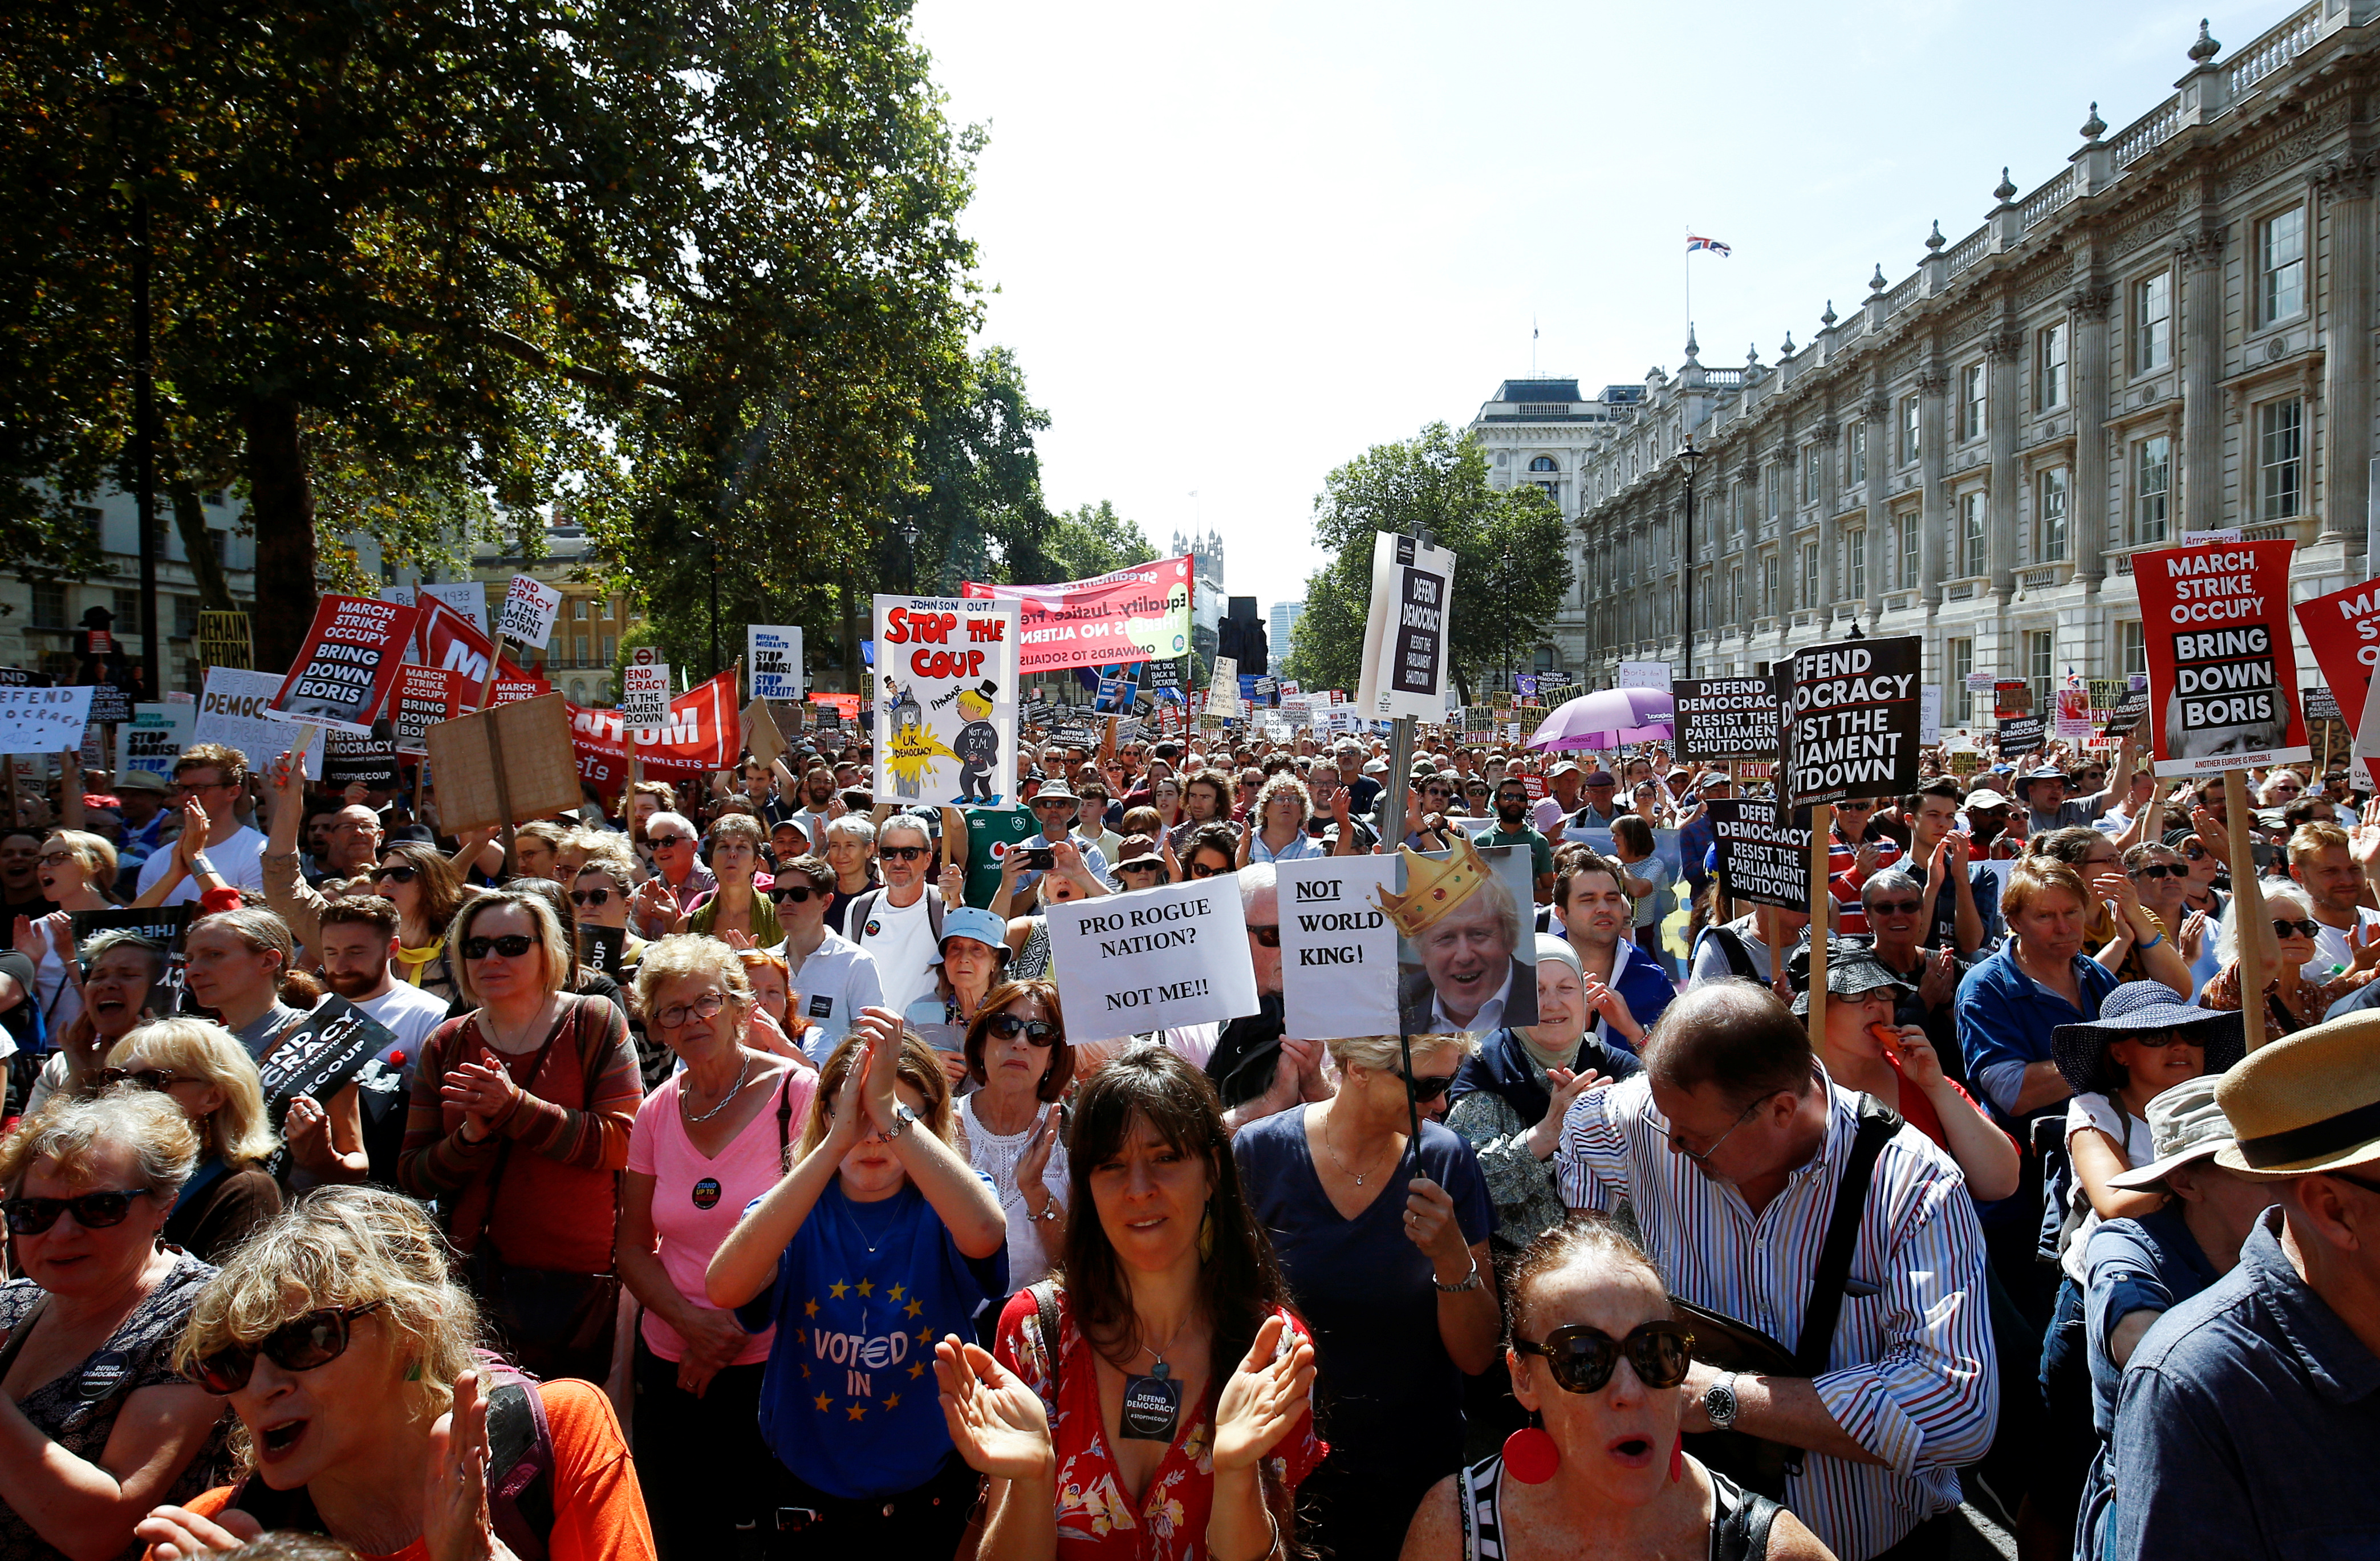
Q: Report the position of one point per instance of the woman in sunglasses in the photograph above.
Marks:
(1020, 1063)
(1027, 945)
(706, 1142)
(99, 1424)
(1598, 1354)
(203, 1068)
(736, 906)
(2292, 1002)
(1385, 1246)
(1212, 851)
(599, 893)
(519, 1123)
(367, 1413)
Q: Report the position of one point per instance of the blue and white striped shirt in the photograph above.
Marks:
(1910, 1375)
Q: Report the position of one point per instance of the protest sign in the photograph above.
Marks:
(644, 698)
(2012, 697)
(110, 704)
(465, 599)
(450, 641)
(1763, 856)
(2222, 667)
(2074, 723)
(2105, 694)
(1725, 718)
(358, 758)
(1929, 715)
(1337, 947)
(701, 734)
(1223, 688)
(19, 677)
(542, 769)
(1128, 964)
(162, 925)
(155, 737)
(2327, 732)
(2023, 734)
(424, 696)
(529, 607)
(231, 712)
(2131, 706)
(1136, 614)
(770, 726)
(2343, 632)
(773, 658)
(603, 948)
(1965, 762)
(1643, 674)
(223, 640)
(1169, 672)
(1466, 939)
(1405, 629)
(946, 713)
(43, 719)
(318, 1056)
(1854, 716)
(348, 664)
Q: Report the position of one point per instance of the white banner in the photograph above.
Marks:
(1643, 674)
(946, 699)
(466, 598)
(773, 659)
(1405, 649)
(529, 606)
(1128, 964)
(1929, 715)
(231, 712)
(154, 738)
(645, 697)
(1223, 688)
(45, 720)
(1338, 952)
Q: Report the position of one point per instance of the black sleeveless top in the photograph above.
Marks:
(1740, 1519)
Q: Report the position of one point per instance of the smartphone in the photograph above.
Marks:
(1040, 859)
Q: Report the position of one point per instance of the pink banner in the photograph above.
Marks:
(1139, 613)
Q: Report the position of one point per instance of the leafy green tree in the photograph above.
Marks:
(1436, 483)
(1092, 539)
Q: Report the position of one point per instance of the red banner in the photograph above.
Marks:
(350, 662)
(1139, 613)
(2343, 632)
(451, 640)
(2222, 669)
(703, 735)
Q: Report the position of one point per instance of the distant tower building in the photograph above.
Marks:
(1206, 602)
(1284, 616)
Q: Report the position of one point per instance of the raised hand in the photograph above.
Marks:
(1918, 1064)
(454, 1522)
(175, 1534)
(953, 884)
(1546, 1137)
(307, 1129)
(997, 1423)
(1270, 1392)
(1034, 1162)
(1940, 981)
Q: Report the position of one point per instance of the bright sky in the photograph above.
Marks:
(1235, 245)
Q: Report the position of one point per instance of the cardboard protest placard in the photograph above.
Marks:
(1855, 720)
(1128, 964)
(2012, 697)
(529, 607)
(644, 698)
(318, 1056)
(2343, 632)
(1467, 938)
(2222, 665)
(163, 925)
(43, 719)
(1132, 614)
(773, 659)
(155, 737)
(348, 664)
(223, 640)
(1763, 856)
(424, 696)
(946, 711)
(1405, 629)
(359, 758)
(2131, 706)
(1337, 948)
(540, 767)
(1643, 674)
(231, 712)
(2023, 734)
(1725, 718)
(602, 948)
(770, 726)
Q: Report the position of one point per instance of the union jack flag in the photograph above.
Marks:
(1695, 242)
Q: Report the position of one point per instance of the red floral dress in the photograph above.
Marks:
(1097, 1520)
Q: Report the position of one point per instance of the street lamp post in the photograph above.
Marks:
(1687, 457)
(909, 536)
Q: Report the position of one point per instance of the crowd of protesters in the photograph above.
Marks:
(729, 1185)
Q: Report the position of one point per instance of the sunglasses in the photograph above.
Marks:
(394, 875)
(2158, 1041)
(1141, 864)
(1895, 907)
(2282, 928)
(585, 897)
(92, 1211)
(904, 853)
(1037, 1032)
(512, 946)
(1268, 935)
(2195, 853)
(658, 841)
(1421, 1088)
(157, 1078)
(1582, 1359)
(799, 894)
(2161, 870)
(1200, 870)
(299, 1345)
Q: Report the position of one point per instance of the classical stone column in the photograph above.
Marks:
(2004, 408)
(2087, 539)
(1880, 433)
(2345, 184)
(2200, 251)
(1825, 437)
(1932, 437)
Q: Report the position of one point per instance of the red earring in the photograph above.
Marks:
(1678, 1460)
(1531, 1455)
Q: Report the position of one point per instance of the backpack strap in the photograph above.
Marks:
(520, 1441)
(855, 916)
(1878, 1123)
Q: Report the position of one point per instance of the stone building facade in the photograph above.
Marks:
(2173, 335)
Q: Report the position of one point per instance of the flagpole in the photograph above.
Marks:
(1688, 261)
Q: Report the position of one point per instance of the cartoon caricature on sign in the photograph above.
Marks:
(946, 698)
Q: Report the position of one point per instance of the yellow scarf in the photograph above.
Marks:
(410, 961)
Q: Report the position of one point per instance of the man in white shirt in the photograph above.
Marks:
(358, 940)
(901, 925)
(215, 775)
(2324, 863)
(832, 978)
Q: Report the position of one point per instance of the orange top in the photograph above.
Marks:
(598, 1510)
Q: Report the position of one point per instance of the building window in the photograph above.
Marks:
(1911, 422)
(2133, 648)
(2280, 460)
(2049, 368)
(1544, 463)
(2280, 266)
(1772, 480)
(1857, 462)
(2049, 516)
(1972, 394)
(1907, 526)
(217, 499)
(1809, 574)
(611, 649)
(1809, 476)
(1768, 586)
(49, 605)
(2153, 323)
(579, 650)
(2151, 488)
(578, 609)
(185, 618)
(126, 605)
(2041, 665)
(1973, 546)
(1962, 662)
(1855, 559)
(1552, 491)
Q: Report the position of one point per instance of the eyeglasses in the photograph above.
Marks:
(512, 946)
(585, 897)
(92, 1211)
(158, 1078)
(57, 859)
(2161, 870)
(799, 895)
(658, 841)
(1420, 1088)
(2282, 928)
(299, 1345)
(183, 788)
(904, 853)
(1141, 864)
(1037, 1032)
(704, 1007)
(395, 875)
(1895, 907)
(1582, 1359)
(1702, 1156)
(2195, 853)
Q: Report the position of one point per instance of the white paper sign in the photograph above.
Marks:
(468, 598)
(1338, 951)
(1405, 647)
(403, 595)
(154, 738)
(1223, 693)
(1929, 715)
(231, 712)
(773, 657)
(644, 697)
(45, 720)
(1643, 674)
(529, 606)
(1128, 964)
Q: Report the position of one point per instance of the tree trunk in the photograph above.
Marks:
(281, 510)
(853, 614)
(199, 545)
(1461, 686)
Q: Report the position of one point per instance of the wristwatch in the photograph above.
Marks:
(903, 1120)
(1470, 1281)
(1719, 1402)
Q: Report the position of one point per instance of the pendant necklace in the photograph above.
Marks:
(737, 1089)
(1334, 1153)
(1152, 1404)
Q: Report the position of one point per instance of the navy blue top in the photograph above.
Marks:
(2247, 1423)
(2152, 1263)
(1391, 1398)
(1643, 985)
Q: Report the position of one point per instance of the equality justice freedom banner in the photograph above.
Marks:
(1137, 613)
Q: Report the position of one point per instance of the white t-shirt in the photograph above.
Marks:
(2331, 953)
(238, 861)
(996, 1156)
(410, 1011)
(2140, 1148)
(903, 944)
(837, 980)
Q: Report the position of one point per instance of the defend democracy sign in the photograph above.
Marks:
(1405, 630)
(35, 720)
(1726, 717)
(1761, 858)
(1338, 951)
(342, 676)
(1137, 613)
(1855, 720)
(1128, 964)
(231, 712)
(2222, 669)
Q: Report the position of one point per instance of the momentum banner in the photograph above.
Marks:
(1139, 613)
(703, 734)
(2223, 671)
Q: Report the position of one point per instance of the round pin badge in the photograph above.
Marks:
(102, 1375)
(706, 1194)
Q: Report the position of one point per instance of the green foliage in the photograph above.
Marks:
(1437, 483)
(1092, 539)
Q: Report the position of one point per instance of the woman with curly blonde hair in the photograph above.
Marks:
(348, 1354)
(203, 1068)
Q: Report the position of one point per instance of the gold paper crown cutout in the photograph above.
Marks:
(1434, 888)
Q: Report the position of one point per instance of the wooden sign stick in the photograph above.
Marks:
(496, 750)
(2258, 955)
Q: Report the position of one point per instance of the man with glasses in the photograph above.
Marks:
(1732, 1148)
(213, 775)
(832, 978)
(679, 883)
(901, 925)
(1056, 807)
(1907, 944)
(1855, 849)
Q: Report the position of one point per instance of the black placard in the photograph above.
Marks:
(1856, 716)
(1417, 631)
(348, 758)
(1166, 673)
(2129, 712)
(1761, 857)
(2022, 734)
(1725, 718)
(17, 677)
(320, 1055)
(602, 947)
(110, 706)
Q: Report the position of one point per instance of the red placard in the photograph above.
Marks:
(451, 640)
(348, 664)
(424, 696)
(2343, 632)
(2223, 667)
(704, 734)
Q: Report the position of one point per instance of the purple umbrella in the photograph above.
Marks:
(1605, 719)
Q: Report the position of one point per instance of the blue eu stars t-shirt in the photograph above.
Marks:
(847, 1402)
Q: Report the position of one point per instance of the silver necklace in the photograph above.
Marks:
(737, 1089)
(1334, 1150)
